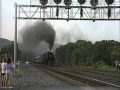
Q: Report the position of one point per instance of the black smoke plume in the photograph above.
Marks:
(35, 33)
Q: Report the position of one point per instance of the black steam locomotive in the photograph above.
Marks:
(47, 58)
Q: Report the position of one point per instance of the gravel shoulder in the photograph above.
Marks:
(33, 78)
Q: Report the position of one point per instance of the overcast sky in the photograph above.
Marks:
(93, 31)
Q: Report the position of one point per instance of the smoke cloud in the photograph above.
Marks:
(64, 36)
(39, 37)
(34, 34)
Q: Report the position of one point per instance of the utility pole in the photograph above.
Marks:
(15, 38)
(0, 24)
(0, 17)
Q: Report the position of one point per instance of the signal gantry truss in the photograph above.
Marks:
(93, 11)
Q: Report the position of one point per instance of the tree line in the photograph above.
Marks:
(85, 53)
(8, 51)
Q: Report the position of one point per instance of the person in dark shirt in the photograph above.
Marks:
(9, 72)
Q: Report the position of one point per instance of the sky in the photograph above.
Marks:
(93, 31)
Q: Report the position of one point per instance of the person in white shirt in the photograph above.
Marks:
(117, 65)
(3, 71)
(27, 65)
(18, 64)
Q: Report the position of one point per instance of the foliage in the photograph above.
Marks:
(100, 54)
(19, 73)
(8, 50)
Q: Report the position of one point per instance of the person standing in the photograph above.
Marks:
(119, 68)
(27, 65)
(117, 65)
(9, 72)
(18, 64)
(3, 70)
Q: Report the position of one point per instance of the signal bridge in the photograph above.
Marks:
(69, 10)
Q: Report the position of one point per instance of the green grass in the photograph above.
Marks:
(19, 73)
(102, 68)
(98, 66)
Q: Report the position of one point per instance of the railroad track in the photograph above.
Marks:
(111, 78)
(78, 77)
(113, 74)
(60, 76)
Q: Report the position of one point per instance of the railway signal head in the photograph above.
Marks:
(81, 1)
(67, 2)
(94, 3)
(109, 1)
(43, 2)
(57, 1)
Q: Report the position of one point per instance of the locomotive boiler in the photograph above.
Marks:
(47, 58)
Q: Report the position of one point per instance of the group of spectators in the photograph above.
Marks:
(6, 70)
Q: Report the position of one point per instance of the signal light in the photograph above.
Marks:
(81, 1)
(67, 2)
(57, 1)
(94, 3)
(57, 9)
(43, 2)
(109, 1)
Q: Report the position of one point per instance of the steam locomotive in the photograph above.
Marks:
(47, 58)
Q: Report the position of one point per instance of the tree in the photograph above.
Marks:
(85, 53)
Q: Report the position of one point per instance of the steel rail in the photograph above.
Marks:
(80, 76)
(92, 79)
(60, 76)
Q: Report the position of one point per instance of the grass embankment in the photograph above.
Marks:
(100, 68)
